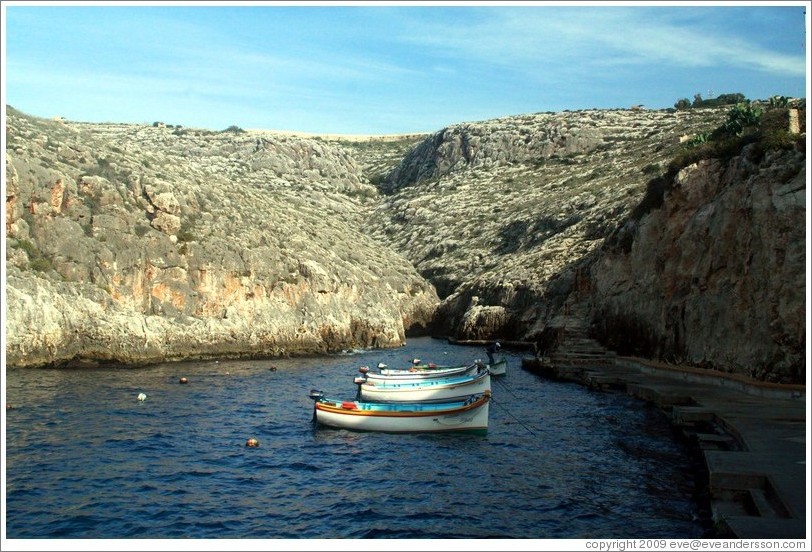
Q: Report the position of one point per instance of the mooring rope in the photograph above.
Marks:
(511, 415)
(504, 385)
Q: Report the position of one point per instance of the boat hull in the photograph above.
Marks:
(462, 416)
(434, 390)
(499, 368)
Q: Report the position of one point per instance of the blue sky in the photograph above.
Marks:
(382, 69)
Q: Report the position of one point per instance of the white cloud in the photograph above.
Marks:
(527, 39)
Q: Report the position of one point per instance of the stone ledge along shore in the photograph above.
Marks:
(751, 435)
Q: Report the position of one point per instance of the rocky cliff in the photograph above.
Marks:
(508, 218)
(137, 243)
(499, 214)
(716, 275)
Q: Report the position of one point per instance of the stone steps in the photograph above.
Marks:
(576, 351)
(733, 480)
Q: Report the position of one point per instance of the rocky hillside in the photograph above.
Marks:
(137, 243)
(497, 214)
(142, 243)
(508, 218)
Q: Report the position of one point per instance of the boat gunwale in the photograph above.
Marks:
(406, 375)
(421, 369)
(473, 430)
(324, 407)
(408, 386)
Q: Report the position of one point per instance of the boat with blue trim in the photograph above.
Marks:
(467, 415)
(432, 389)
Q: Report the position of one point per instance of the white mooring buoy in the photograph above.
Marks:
(142, 396)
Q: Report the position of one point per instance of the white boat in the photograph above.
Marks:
(469, 415)
(499, 368)
(414, 374)
(431, 390)
(416, 366)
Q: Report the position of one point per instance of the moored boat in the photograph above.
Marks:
(430, 390)
(498, 368)
(469, 415)
(418, 374)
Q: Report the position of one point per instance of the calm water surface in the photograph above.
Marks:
(86, 459)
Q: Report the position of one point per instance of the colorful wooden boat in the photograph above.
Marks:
(468, 415)
(432, 389)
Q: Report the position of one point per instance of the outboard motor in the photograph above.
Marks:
(316, 395)
(359, 381)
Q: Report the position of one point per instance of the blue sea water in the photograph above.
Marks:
(85, 459)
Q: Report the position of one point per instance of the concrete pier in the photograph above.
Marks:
(751, 434)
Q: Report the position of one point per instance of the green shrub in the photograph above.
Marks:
(721, 99)
(185, 233)
(728, 99)
(29, 248)
(41, 264)
(726, 141)
(652, 169)
(36, 260)
(741, 118)
(698, 139)
(721, 148)
(683, 103)
(778, 140)
(377, 179)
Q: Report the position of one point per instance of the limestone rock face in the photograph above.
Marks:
(495, 143)
(508, 210)
(508, 217)
(716, 276)
(137, 244)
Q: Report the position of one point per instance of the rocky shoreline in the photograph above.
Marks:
(143, 243)
(134, 244)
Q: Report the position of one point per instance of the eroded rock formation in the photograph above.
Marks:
(137, 244)
(508, 218)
